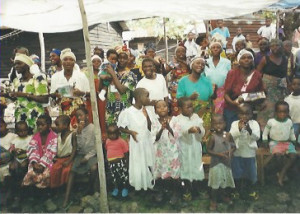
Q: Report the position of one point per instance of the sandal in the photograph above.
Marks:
(187, 196)
(254, 195)
(213, 206)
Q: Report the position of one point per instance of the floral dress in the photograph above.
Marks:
(27, 110)
(167, 163)
(116, 102)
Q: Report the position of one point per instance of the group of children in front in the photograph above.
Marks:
(160, 148)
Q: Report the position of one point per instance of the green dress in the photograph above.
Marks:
(27, 110)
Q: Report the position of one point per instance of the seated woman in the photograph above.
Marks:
(41, 152)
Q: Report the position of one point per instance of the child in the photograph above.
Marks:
(18, 167)
(117, 155)
(191, 134)
(136, 121)
(220, 147)
(112, 57)
(282, 137)
(294, 104)
(66, 149)
(86, 158)
(245, 132)
(41, 152)
(167, 163)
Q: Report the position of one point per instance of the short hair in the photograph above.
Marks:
(245, 105)
(111, 51)
(45, 117)
(64, 119)
(183, 100)
(149, 48)
(148, 59)
(158, 102)
(26, 51)
(137, 93)
(276, 41)
(281, 103)
(287, 42)
(113, 125)
(83, 109)
(200, 38)
(19, 123)
(217, 116)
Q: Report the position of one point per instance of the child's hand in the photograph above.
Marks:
(241, 125)
(109, 69)
(105, 77)
(38, 168)
(134, 135)
(194, 129)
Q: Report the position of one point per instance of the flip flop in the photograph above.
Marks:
(68, 206)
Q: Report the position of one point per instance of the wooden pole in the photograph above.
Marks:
(42, 46)
(277, 23)
(101, 170)
(166, 41)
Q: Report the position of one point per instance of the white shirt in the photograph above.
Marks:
(245, 143)
(22, 143)
(294, 105)
(279, 131)
(78, 79)
(6, 141)
(267, 32)
(235, 39)
(191, 48)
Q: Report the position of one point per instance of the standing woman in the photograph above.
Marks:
(29, 92)
(179, 68)
(56, 63)
(264, 50)
(69, 77)
(216, 71)
(239, 45)
(199, 89)
(245, 79)
(274, 70)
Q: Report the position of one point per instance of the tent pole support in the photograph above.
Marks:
(42, 46)
(166, 41)
(99, 150)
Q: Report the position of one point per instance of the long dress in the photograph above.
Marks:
(141, 158)
(190, 148)
(43, 155)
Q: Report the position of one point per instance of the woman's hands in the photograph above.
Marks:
(194, 130)
(38, 168)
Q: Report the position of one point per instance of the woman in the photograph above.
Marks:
(264, 50)
(216, 71)
(56, 63)
(199, 89)
(179, 68)
(274, 70)
(70, 86)
(245, 79)
(239, 45)
(120, 89)
(29, 92)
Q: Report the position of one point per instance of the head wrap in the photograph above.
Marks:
(218, 38)
(243, 52)
(96, 57)
(194, 59)
(67, 53)
(24, 58)
(215, 43)
(120, 50)
(56, 51)
(35, 58)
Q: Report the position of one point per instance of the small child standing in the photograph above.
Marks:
(66, 149)
(294, 104)
(117, 155)
(167, 163)
(112, 57)
(281, 137)
(191, 133)
(220, 147)
(136, 121)
(245, 132)
(86, 158)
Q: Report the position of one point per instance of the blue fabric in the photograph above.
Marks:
(56, 51)
(218, 74)
(244, 168)
(203, 87)
(230, 116)
(282, 4)
(297, 130)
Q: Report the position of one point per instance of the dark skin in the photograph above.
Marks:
(140, 102)
(187, 111)
(23, 69)
(245, 114)
(21, 131)
(83, 121)
(180, 57)
(275, 56)
(161, 109)
(55, 60)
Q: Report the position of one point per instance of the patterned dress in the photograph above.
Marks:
(116, 102)
(27, 110)
(43, 155)
(167, 163)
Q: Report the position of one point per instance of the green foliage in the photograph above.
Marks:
(269, 14)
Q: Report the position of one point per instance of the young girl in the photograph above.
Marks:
(117, 155)
(282, 137)
(245, 133)
(66, 149)
(41, 152)
(86, 158)
(167, 163)
(191, 134)
(136, 121)
(220, 147)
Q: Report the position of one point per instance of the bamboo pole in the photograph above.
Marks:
(101, 170)
(166, 41)
(42, 46)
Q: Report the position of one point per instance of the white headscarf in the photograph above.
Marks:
(243, 52)
(96, 57)
(67, 52)
(194, 59)
(24, 58)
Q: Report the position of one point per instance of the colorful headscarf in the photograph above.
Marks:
(24, 58)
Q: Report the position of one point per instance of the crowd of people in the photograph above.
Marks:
(157, 118)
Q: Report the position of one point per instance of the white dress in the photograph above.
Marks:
(190, 148)
(141, 153)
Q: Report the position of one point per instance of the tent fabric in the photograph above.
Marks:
(285, 4)
(50, 16)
